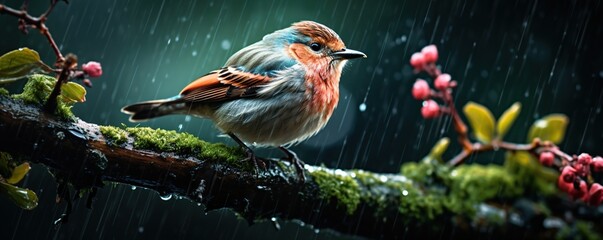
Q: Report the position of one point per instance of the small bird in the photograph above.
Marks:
(275, 92)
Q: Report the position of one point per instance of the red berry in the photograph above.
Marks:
(568, 174)
(564, 185)
(585, 159)
(431, 53)
(597, 164)
(430, 109)
(546, 158)
(442, 82)
(420, 90)
(92, 69)
(417, 60)
(595, 194)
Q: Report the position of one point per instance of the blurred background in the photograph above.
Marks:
(544, 54)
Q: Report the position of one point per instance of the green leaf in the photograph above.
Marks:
(24, 198)
(18, 173)
(507, 119)
(20, 63)
(549, 128)
(72, 92)
(439, 148)
(481, 121)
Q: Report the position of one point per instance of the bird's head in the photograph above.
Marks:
(316, 46)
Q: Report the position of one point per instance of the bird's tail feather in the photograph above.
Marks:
(144, 111)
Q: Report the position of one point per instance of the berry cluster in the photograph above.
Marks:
(425, 61)
(574, 176)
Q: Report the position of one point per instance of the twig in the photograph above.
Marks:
(68, 67)
(26, 20)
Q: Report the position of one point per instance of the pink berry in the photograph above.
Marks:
(431, 53)
(546, 158)
(430, 109)
(93, 69)
(568, 174)
(564, 185)
(420, 90)
(595, 194)
(417, 60)
(442, 82)
(597, 164)
(585, 159)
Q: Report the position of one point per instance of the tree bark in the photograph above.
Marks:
(77, 153)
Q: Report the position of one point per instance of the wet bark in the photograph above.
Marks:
(77, 152)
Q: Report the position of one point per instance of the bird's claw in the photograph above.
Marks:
(296, 162)
(256, 161)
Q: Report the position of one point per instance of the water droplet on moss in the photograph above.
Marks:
(166, 197)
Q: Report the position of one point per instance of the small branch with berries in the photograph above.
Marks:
(575, 178)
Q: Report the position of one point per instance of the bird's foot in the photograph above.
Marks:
(255, 160)
(296, 162)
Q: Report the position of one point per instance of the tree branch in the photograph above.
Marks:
(78, 153)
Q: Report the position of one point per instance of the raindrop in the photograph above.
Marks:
(208, 36)
(169, 41)
(199, 204)
(404, 193)
(316, 230)
(383, 178)
(225, 44)
(60, 135)
(153, 80)
(140, 229)
(194, 53)
(133, 188)
(274, 221)
(180, 127)
(187, 118)
(177, 38)
(362, 107)
(166, 197)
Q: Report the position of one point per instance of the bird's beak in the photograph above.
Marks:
(348, 54)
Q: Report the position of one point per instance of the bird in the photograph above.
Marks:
(275, 92)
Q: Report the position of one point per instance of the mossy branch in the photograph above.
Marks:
(356, 202)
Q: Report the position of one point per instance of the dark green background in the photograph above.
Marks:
(545, 54)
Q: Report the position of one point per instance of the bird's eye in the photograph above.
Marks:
(315, 47)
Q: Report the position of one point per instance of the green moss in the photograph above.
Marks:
(530, 174)
(472, 184)
(338, 185)
(36, 91)
(412, 201)
(4, 92)
(116, 135)
(172, 141)
(164, 140)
